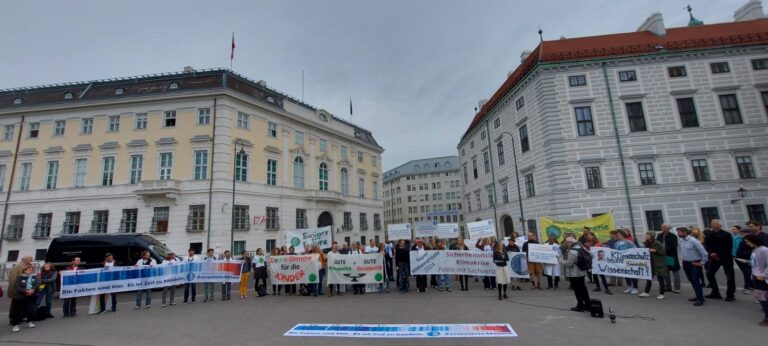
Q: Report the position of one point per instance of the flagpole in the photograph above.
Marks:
(232, 52)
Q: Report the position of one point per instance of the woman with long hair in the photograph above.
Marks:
(484, 244)
(46, 280)
(276, 288)
(759, 261)
(501, 259)
(463, 279)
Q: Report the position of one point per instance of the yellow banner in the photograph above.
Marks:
(600, 225)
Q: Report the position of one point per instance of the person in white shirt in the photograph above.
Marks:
(146, 260)
(170, 258)
(226, 287)
(209, 287)
(190, 286)
(259, 269)
(109, 263)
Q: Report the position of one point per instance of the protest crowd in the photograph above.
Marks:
(700, 255)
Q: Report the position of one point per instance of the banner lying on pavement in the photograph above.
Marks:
(355, 269)
(121, 279)
(490, 330)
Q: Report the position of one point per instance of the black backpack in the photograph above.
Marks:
(261, 291)
(584, 259)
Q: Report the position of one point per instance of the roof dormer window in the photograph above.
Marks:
(17, 101)
(119, 91)
(68, 96)
(173, 86)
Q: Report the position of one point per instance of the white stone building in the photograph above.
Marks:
(424, 190)
(670, 120)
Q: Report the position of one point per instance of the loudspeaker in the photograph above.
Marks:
(596, 308)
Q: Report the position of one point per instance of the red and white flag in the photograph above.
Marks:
(232, 53)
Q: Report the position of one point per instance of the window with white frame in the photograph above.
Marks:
(166, 166)
(52, 175)
(201, 164)
(272, 129)
(34, 130)
(170, 119)
(301, 219)
(140, 120)
(81, 170)
(299, 138)
(271, 172)
(323, 146)
(242, 120)
(344, 181)
(86, 126)
(241, 167)
(137, 164)
(323, 177)
(8, 132)
(108, 171)
(203, 116)
(26, 176)
(59, 126)
(298, 173)
(113, 123)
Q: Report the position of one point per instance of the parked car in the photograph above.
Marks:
(126, 249)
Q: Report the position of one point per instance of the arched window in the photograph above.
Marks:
(447, 164)
(323, 177)
(344, 181)
(298, 173)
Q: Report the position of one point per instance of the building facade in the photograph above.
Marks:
(654, 126)
(162, 154)
(424, 190)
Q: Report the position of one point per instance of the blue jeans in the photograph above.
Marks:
(444, 280)
(187, 288)
(48, 295)
(402, 277)
(148, 301)
(693, 273)
(319, 284)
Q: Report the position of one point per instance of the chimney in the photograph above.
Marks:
(524, 55)
(481, 103)
(654, 24)
(750, 11)
(188, 69)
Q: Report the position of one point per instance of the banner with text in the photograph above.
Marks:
(631, 263)
(399, 231)
(294, 269)
(122, 279)
(600, 225)
(543, 253)
(474, 263)
(481, 229)
(303, 239)
(518, 265)
(355, 269)
(434, 229)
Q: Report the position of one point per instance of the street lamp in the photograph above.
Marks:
(234, 179)
(493, 176)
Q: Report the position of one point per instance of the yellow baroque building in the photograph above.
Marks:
(159, 154)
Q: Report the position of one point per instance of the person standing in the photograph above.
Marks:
(259, 270)
(25, 286)
(443, 280)
(318, 289)
(744, 252)
(170, 258)
(226, 287)
(70, 304)
(389, 255)
(421, 280)
(658, 267)
(535, 270)
(190, 287)
(593, 241)
(463, 279)
(575, 274)
(386, 279)
(276, 288)
(671, 259)
(403, 262)
(552, 271)
(484, 244)
(209, 288)
(694, 258)
(584, 233)
(759, 261)
(109, 263)
(146, 261)
(357, 249)
(245, 274)
(501, 259)
(335, 252)
(621, 244)
(14, 311)
(719, 245)
(47, 279)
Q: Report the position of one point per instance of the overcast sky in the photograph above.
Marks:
(413, 69)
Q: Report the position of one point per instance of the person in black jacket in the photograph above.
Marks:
(500, 258)
(421, 280)
(672, 260)
(25, 287)
(403, 261)
(719, 246)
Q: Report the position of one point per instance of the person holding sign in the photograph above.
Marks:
(421, 280)
(47, 279)
(658, 267)
(145, 261)
(623, 244)
(109, 263)
(259, 270)
(357, 249)
(552, 271)
(170, 258)
(190, 287)
(463, 279)
(70, 304)
(208, 287)
(276, 288)
(403, 262)
(535, 270)
(501, 259)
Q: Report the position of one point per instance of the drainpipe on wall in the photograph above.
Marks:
(210, 178)
(621, 152)
(10, 184)
(499, 237)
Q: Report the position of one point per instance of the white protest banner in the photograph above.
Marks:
(518, 265)
(301, 238)
(470, 243)
(520, 241)
(424, 229)
(293, 269)
(121, 279)
(355, 269)
(631, 263)
(543, 253)
(399, 231)
(447, 230)
(452, 262)
(481, 229)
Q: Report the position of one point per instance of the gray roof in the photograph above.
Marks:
(424, 166)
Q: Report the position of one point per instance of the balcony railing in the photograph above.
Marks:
(159, 226)
(42, 231)
(272, 224)
(127, 226)
(158, 188)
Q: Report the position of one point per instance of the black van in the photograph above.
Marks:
(126, 249)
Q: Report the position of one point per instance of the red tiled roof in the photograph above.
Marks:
(627, 44)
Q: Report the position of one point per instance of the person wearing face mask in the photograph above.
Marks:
(694, 258)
